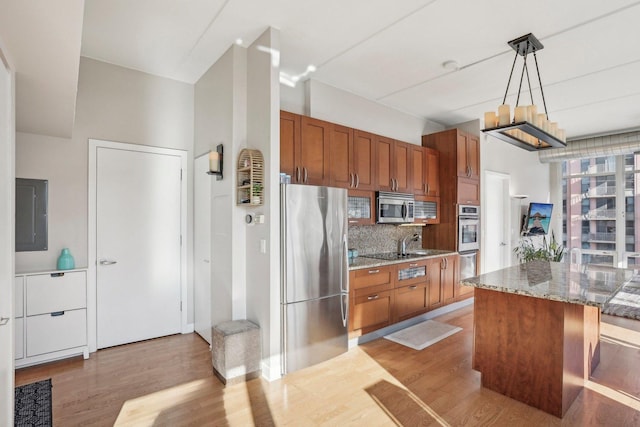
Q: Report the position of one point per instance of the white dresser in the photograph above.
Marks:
(50, 316)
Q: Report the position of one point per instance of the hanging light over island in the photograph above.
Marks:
(525, 128)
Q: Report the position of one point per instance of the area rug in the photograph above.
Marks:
(626, 303)
(423, 334)
(33, 404)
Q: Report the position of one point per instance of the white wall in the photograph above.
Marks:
(263, 133)
(325, 102)
(337, 106)
(220, 110)
(527, 176)
(114, 104)
(58, 161)
(7, 235)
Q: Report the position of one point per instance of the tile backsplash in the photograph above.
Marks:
(368, 239)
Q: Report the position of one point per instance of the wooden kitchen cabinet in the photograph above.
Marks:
(412, 291)
(468, 155)
(361, 207)
(411, 301)
(432, 161)
(459, 183)
(418, 170)
(442, 279)
(449, 278)
(468, 191)
(371, 299)
(304, 148)
(393, 165)
(352, 158)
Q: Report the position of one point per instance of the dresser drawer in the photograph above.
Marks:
(19, 296)
(47, 293)
(18, 326)
(47, 333)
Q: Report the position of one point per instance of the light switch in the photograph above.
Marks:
(263, 246)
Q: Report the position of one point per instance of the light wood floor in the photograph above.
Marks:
(169, 382)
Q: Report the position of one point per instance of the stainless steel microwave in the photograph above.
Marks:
(394, 208)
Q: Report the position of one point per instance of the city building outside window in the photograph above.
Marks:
(600, 214)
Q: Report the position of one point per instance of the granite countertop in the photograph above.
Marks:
(362, 261)
(585, 284)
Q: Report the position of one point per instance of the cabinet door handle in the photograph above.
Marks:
(57, 313)
(413, 288)
(353, 221)
(350, 179)
(370, 297)
(305, 175)
(107, 262)
(374, 271)
(357, 180)
(297, 174)
(413, 265)
(4, 321)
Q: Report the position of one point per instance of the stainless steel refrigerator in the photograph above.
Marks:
(315, 281)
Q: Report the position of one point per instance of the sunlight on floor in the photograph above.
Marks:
(350, 389)
(145, 410)
(619, 335)
(618, 396)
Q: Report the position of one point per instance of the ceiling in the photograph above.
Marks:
(392, 52)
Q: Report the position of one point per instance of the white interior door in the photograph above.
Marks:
(7, 241)
(202, 248)
(138, 245)
(496, 217)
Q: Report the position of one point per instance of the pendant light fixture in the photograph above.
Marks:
(526, 128)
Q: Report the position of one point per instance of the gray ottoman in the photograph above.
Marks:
(235, 351)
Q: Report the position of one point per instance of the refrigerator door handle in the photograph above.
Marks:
(344, 281)
(344, 308)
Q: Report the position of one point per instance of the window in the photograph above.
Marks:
(590, 191)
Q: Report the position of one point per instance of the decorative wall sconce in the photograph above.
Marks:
(215, 162)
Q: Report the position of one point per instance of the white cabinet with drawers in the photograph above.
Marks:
(51, 316)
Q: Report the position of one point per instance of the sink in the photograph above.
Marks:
(427, 252)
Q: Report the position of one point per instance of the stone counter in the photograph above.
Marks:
(584, 284)
(363, 261)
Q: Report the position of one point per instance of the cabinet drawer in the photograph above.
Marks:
(371, 312)
(47, 333)
(18, 326)
(372, 277)
(410, 273)
(47, 293)
(19, 296)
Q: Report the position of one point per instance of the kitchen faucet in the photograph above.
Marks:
(402, 243)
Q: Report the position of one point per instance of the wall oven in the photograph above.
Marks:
(394, 208)
(468, 228)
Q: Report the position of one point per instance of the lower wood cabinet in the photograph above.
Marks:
(411, 301)
(381, 296)
(371, 311)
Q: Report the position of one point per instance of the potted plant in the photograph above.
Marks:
(527, 250)
(256, 196)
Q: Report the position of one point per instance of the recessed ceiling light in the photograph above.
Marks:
(239, 42)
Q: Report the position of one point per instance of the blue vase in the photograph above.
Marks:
(66, 261)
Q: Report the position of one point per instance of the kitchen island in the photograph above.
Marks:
(537, 329)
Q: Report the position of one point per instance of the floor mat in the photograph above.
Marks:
(33, 404)
(423, 334)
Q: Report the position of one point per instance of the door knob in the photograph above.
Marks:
(503, 244)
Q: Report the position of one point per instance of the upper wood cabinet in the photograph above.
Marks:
(393, 166)
(432, 161)
(418, 170)
(304, 148)
(468, 155)
(352, 158)
(425, 180)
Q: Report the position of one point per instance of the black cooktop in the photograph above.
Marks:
(392, 256)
